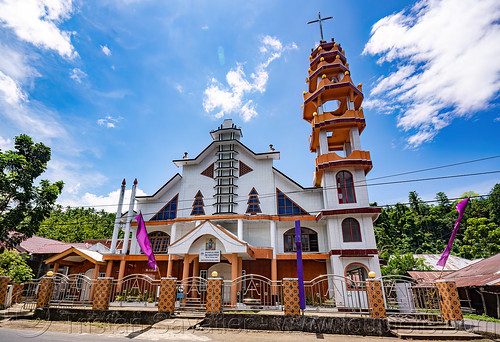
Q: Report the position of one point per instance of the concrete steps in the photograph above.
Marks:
(428, 330)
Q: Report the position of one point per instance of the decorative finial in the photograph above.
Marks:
(124, 183)
(185, 155)
(135, 181)
(271, 148)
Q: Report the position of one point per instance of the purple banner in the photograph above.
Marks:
(461, 209)
(300, 269)
(143, 241)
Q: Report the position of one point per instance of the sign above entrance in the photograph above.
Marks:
(210, 256)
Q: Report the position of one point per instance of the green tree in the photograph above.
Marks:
(24, 205)
(14, 265)
(481, 239)
(77, 224)
(401, 264)
(494, 204)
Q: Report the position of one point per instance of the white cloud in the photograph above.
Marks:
(12, 92)
(106, 50)
(204, 27)
(179, 88)
(109, 121)
(6, 144)
(77, 75)
(108, 202)
(35, 21)
(221, 100)
(445, 57)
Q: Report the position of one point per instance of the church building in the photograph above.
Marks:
(230, 210)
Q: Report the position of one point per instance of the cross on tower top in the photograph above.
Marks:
(320, 20)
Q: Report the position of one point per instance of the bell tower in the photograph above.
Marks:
(332, 105)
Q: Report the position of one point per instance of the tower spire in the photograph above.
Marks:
(320, 25)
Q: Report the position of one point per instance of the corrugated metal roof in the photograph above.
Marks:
(483, 273)
(427, 276)
(452, 264)
(41, 245)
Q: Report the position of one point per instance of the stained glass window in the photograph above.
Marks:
(288, 207)
(350, 230)
(168, 212)
(198, 204)
(253, 202)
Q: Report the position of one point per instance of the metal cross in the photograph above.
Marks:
(320, 20)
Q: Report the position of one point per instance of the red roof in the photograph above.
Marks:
(41, 245)
(483, 273)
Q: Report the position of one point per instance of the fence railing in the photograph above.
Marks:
(337, 293)
(135, 290)
(252, 291)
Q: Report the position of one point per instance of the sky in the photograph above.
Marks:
(120, 88)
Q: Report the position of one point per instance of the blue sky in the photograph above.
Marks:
(118, 89)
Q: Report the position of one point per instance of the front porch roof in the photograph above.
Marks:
(77, 255)
(231, 243)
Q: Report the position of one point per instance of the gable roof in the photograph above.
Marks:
(75, 254)
(40, 245)
(171, 182)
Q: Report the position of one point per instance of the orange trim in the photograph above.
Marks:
(56, 258)
(231, 217)
(293, 256)
(134, 257)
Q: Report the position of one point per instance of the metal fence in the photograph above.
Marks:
(331, 292)
(404, 296)
(191, 293)
(252, 291)
(135, 290)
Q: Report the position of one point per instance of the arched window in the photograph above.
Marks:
(350, 230)
(159, 242)
(309, 240)
(345, 187)
(358, 273)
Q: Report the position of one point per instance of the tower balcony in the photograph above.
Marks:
(333, 161)
(326, 49)
(327, 91)
(339, 125)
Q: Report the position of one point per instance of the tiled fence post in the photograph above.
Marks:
(448, 298)
(214, 295)
(44, 292)
(291, 296)
(17, 293)
(102, 292)
(4, 283)
(166, 302)
(375, 296)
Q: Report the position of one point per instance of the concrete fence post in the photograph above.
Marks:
(449, 301)
(44, 292)
(166, 302)
(102, 293)
(214, 295)
(4, 284)
(375, 294)
(291, 300)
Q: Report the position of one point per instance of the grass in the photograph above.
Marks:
(482, 317)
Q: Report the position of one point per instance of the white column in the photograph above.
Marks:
(173, 233)
(130, 216)
(272, 231)
(117, 219)
(134, 246)
(240, 229)
(323, 142)
(354, 137)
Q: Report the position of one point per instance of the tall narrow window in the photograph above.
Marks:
(253, 203)
(198, 204)
(350, 230)
(345, 187)
(288, 207)
(309, 240)
(168, 212)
